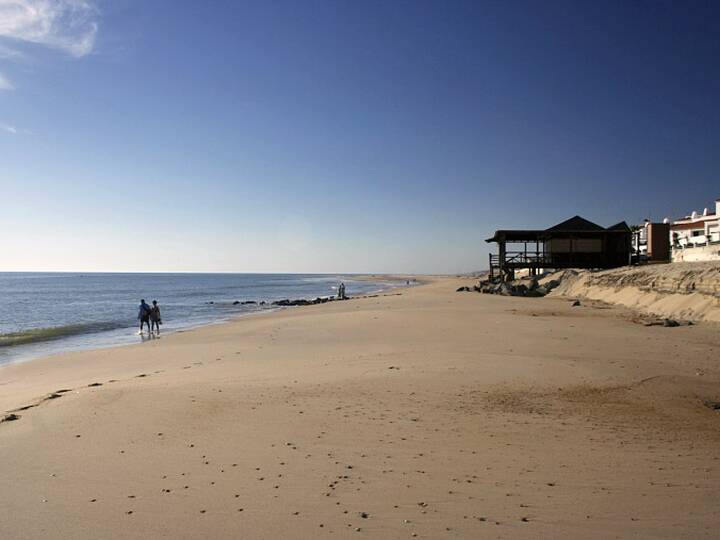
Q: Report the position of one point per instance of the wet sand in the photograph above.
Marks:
(427, 414)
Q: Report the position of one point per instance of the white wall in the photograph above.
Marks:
(702, 253)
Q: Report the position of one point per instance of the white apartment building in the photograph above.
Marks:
(696, 229)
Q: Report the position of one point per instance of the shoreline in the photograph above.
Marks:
(68, 356)
(104, 341)
(423, 411)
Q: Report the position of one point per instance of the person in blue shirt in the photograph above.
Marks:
(144, 315)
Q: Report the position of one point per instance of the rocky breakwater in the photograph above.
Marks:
(304, 302)
(284, 303)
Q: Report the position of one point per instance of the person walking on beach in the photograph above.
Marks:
(155, 319)
(144, 315)
(341, 292)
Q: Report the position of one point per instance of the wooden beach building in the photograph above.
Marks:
(574, 243)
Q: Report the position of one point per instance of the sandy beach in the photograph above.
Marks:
(421, 413)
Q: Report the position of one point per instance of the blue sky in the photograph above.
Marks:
(343, 136)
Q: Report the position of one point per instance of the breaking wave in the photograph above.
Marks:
(36, 335)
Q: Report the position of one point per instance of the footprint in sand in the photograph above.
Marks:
(91, 385)
(25, 408)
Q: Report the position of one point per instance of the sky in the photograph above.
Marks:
(343, 136)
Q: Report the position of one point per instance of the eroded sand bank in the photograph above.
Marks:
(685, 290)
(429, 413)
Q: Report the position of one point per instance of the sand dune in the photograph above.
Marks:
(679, 290)
(430, 414)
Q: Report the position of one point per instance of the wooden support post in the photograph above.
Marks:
(501, 258)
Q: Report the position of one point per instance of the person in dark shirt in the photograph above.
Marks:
(155, 319)
(144, 315)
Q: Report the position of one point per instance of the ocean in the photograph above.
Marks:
(48, 313)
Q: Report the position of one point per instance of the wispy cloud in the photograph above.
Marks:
(4, 83)
(68, 25)
(8, 129)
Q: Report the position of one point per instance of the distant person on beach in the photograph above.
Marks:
(155, 319)
(144, 315)
(341, 292)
